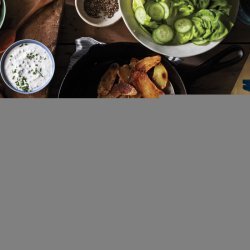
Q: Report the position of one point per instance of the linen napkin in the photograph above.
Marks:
(83, 45)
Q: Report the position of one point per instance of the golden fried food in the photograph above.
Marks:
(160, 76)
(124, 97)
(108, 80)
(132, 80)
(136, 96)
(122, 89)
(147, 63)
(133, 62)
(143, 84)
(124, 73)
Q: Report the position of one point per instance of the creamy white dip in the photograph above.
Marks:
(28, 67)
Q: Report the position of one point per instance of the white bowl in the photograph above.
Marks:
(96, 22)
(180, 51)
(6, 53)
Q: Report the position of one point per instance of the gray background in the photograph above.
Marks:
(168, 174)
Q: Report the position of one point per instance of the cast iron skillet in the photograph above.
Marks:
(83, 79)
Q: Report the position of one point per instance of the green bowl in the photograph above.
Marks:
(2, 13)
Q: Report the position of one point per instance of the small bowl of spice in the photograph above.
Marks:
(27, 66)
(99, 13)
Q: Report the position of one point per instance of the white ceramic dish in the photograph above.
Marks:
(179, 51)
(96, 22)
(3, 60)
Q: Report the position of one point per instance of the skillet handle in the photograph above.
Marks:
(218, 62)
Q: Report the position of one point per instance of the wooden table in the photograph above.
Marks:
(73, 27)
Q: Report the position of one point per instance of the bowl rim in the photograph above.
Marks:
(94, 24)
(3, 9)
(5, 54)
(197, 52)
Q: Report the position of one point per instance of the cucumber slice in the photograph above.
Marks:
(164, 33)
(137, 3)
(145, 30)
(147, 5)
(141, 15)
(183, 21)
(166, 9)
(156, 39)
(151, 25)
(183, 25)
(156, 12)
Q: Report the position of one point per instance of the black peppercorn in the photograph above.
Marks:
(101, 8)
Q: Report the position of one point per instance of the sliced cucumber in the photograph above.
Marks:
(137, 3)
(183, 25)
(152, 25)
(144, 29)
(141, 15)
(156, 39)
(166, 9)
(147, 5)
(183, 21)
(156, 12)
(164, 33)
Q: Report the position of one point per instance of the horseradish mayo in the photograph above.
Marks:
(28, 67)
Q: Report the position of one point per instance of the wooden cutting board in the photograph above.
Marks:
(43, 26)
